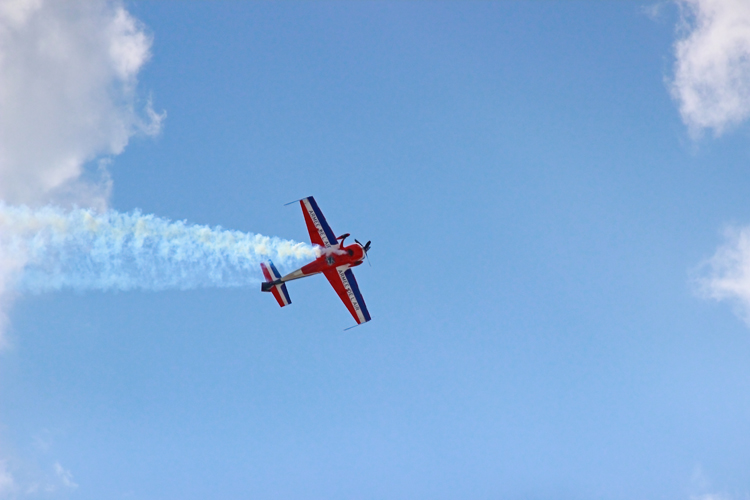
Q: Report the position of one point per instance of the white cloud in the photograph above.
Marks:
(712, 69)
(726, 275)
(68, 74)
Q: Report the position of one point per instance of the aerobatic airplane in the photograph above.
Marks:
(335, 262)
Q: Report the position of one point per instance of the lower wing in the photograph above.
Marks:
(346, 287)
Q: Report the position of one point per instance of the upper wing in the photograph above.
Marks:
(320, 231)
(346, 286)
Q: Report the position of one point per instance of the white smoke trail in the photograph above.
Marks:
(54, 249)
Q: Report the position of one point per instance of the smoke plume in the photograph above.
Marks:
(79, 249)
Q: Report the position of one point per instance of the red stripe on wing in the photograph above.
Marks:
(277, 296)
(266, 272)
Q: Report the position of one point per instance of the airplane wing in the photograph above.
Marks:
(345, 285)
(320, 231)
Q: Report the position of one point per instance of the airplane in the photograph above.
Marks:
(335, 263)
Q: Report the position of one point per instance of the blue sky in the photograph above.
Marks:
(539, 210)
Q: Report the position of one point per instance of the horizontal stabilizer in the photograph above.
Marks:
(274, 284)
(267, 286)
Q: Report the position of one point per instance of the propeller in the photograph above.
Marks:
(365, 247)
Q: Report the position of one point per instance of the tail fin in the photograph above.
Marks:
(279, 290)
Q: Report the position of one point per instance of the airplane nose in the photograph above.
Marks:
(365, 248)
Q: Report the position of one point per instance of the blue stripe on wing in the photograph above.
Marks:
(286, 294)
(322, 220)
(355, 288)
(276, 273)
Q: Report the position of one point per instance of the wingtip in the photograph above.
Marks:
(358, 324)
(295, 201)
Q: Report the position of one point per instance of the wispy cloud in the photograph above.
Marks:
(712, 69)
(701, 487)
(726, 275)
(32, 482)
(64, 475)
(7, 483)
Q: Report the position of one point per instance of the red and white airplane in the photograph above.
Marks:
(335, 263)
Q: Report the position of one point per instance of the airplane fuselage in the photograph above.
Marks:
(331, 258)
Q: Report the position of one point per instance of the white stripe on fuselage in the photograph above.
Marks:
(316, 222)
(295, 275)
(353, 298)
